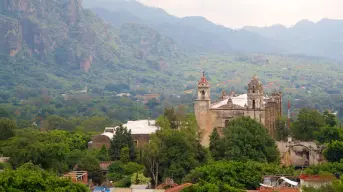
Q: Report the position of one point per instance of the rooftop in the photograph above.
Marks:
(141, 126)
(239, 100)
(136, 127)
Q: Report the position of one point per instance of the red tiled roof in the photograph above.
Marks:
(317, 177)
(179, 188)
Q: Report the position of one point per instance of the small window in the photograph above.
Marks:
(136, 143)
(253, 91)
(253, 104)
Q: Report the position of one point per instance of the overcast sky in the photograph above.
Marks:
(238, 13)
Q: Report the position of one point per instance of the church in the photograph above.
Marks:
(255, 104)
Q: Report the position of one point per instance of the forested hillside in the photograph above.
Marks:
(60, 59)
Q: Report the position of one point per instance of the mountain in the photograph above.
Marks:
(195, 33)
(308, 38)
(146, 13)
(191, 33)
(58, 44)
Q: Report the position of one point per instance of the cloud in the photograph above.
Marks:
(238, 13)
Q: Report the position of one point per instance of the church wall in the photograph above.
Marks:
(100, 140)
(219, 116)
(209, 118)
(204, 120)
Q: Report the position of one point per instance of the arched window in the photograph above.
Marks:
(202, 94)
(226, 123)
(253, 104)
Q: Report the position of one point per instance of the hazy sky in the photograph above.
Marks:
(238, 13)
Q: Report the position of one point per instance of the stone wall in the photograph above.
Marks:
(298, 153)
(204, 119)
(141, 139)
(100, 140)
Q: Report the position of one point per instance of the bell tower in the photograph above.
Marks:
(203, 89)
(255, 94)
(202, 110)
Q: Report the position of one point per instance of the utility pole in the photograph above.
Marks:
(289, 115)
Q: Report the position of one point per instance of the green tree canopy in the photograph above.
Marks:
(51, 149)
(29, 177)
(7, 127)
(245, 139)
(121, 139)
(307, 124)
(282, 131)
(330, 119)
(240, 175)
(125, 154)
(327, 134)
(334, 151)
(174, 152)
(216, 145)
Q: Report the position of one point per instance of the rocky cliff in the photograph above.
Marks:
(61, 30)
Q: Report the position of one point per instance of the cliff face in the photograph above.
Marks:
(42, 28)
(10, 36)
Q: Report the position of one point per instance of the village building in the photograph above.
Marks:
(300, 153)
(147, 97)
(140, 131)
(255, 104)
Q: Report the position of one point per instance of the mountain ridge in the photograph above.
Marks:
(199, 34)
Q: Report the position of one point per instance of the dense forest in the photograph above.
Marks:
(59, 59)
(42, 157)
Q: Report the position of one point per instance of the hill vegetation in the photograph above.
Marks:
(59, 59)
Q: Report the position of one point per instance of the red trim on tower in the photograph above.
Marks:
(203, 79)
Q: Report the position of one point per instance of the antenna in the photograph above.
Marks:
(289, 114)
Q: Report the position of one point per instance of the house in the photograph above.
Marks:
(140, 131)
(300, 153)
(316, 181)
(147, 97)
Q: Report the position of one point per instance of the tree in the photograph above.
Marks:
(174, 152)
(124, 155)
(246, 139)
(216, 145)
(170, 114)
(327, 134)
(96, 123)
(121, 139)
(103, 154)
(239, 175)
(4, 113)
(330, 119)
(29, 177)
(282, 131)
(90, 163)
(308, 122)
(139, 179)
(7, 128)
(334, 151)
(56, 122)
(54, 150)
(151, 160)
